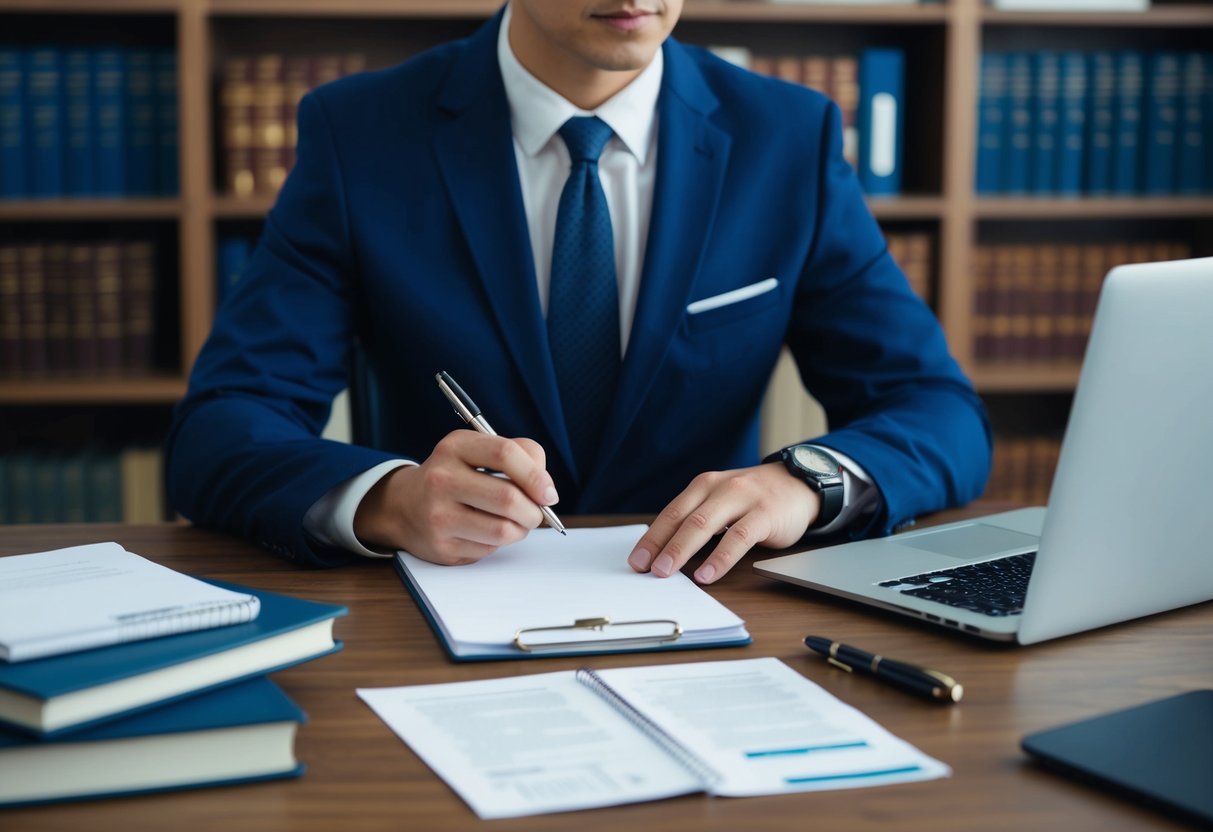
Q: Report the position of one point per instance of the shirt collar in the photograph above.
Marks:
(537, 111)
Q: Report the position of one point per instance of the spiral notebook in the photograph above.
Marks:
(99, 594)
(556, 742)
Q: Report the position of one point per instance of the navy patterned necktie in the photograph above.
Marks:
(583, 298)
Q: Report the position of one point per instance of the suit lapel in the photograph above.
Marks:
(475, 152)
(692, 156)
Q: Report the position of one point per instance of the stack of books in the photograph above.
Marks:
(120, 676)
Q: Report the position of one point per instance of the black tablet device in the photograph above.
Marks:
(1159, 753)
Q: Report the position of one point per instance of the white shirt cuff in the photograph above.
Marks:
(331, 518)
(859, 495)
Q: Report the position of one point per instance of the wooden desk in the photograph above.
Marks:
(361, 777)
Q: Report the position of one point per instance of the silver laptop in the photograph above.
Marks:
(1129, 527)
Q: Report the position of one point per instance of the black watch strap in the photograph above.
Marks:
(832, 493)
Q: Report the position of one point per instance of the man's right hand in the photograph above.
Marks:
(447, 511)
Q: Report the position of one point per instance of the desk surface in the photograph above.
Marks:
(361, 777)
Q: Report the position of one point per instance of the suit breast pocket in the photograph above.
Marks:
(733, 306)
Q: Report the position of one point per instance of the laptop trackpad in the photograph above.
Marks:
(971, 541)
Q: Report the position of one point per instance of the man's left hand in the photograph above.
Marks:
(764, 505)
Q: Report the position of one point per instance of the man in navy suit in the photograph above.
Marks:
(419, 223)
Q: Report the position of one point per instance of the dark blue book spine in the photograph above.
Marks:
(141, 145)
(1126, 152)
(167, 163)
(13, 184)
(1018, 146)
(1190, 172)
(1074, 89)
(991, 122)
(81, 122)
(1101, 122)
(1162, 123)
(1208, 131)
(1046, 120)
(881, 120)
(44, 118)
(109, 91)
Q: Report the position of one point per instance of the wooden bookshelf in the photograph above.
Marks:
(944, 43)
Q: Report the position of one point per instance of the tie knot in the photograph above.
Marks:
(585, 137)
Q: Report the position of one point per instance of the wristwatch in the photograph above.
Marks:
(820, 471)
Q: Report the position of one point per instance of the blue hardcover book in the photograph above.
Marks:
(1126, 152)
(881, 120)
(1046, 121)
(141, 143)
(13, 184)
(109, 91)
(103, 487)
(167, 164)
(1101, 122)
(1018, 145)
(80, 123)
(1161, 123)
(65, 693)
(1190, 170)
(1072, 129)
(1208, 131)
(991, 122)
(172, 747)
(44, 121)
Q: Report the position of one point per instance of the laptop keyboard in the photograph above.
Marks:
(993, 587)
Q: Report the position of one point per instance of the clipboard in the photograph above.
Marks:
(554, 596)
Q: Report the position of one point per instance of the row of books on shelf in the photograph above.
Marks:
(914, 251)
(77, 308)
(869, 91)
(87, 122)
(1023, 467)
(1104, 122)
(159, 709)
(1035, 303)
(94, 485)
(258, 101)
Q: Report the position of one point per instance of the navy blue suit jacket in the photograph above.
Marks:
(402, 226)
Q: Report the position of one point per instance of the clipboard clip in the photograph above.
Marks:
(587, 634)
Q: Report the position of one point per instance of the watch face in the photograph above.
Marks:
(815, 460)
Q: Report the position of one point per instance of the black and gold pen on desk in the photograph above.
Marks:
(470, 413)
(932, 684)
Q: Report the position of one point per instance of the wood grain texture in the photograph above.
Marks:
(361, 777)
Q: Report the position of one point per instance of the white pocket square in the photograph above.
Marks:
(735, 296)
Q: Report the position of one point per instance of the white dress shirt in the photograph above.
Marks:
(628, 171)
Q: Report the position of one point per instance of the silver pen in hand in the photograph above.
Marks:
(470, 413)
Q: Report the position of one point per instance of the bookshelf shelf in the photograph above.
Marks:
(86, 210)
(1024, 378)
(1030, 208)
(113, 390)
(1159, 16)
(241, 208)
(907, 207)
(865, 14)
(92, 7)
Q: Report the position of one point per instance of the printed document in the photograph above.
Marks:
(99, 594)
(554, 742)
